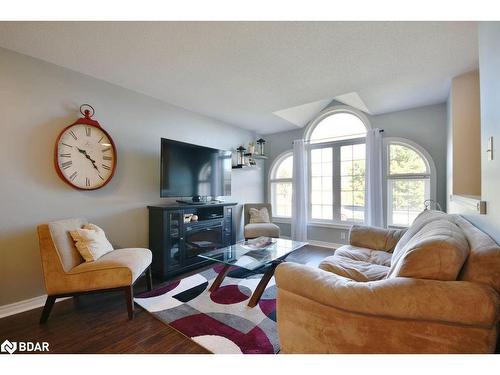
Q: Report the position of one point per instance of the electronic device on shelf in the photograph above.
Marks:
(189, 170)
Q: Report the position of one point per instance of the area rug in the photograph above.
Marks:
(220, 321)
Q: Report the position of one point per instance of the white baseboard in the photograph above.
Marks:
(25, 305)
(325, 244)
(319, 243)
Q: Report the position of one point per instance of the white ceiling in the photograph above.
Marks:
(245, 72)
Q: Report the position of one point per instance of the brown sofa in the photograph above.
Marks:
(433, 288)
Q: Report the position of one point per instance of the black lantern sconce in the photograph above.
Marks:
(260, 148)
(241, 155)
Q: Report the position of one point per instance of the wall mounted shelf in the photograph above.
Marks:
(256, 156)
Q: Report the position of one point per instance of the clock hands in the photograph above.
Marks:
(88, 157)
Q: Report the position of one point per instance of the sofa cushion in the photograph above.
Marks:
(424, 218)
(131, 261)
(437, 251)
(354, 269)
(382, 258)
(483, 263)
(262, 230)
(375, 238)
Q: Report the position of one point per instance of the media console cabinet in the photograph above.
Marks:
(176, 240)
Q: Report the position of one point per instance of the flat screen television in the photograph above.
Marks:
(189, 170)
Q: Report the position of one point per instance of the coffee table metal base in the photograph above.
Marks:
(259, 290)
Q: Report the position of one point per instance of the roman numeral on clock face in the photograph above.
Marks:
(107, 158)
(106, 149)
(66, 144)
(106, 167)
(65, 155)
(73, 135)
(88, 131)
(87, 181)
(73, 176)
(66, 164)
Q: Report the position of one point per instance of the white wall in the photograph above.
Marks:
(37, 100)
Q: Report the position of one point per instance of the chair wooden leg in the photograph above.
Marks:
(49, 303)
(129, 297)
(149, 279)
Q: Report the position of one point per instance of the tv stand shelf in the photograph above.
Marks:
(176, 241)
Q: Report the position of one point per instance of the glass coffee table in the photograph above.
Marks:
(244, 256)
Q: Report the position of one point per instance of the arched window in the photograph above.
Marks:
(410, 180)
(280, 180)
(337, 165)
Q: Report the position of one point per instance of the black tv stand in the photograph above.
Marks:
(178, 232)
(199, 203)
(192, 203)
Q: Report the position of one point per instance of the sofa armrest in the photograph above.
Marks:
(458, 302)
(375, 238)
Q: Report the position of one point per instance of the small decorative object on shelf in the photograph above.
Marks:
(260, 148)
(251, 148)
(241, 155)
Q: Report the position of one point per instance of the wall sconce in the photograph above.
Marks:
(260, 148)
(241, 155)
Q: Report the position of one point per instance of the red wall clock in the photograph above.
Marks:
(85, 154)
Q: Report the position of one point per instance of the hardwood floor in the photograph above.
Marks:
(99, 323)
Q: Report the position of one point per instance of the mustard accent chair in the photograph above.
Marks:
(259, 229)
(67, 274)
(433, 288)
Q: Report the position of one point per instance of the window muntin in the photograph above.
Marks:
(281, 186)
(408, 183)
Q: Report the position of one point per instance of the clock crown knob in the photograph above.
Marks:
(87, 112)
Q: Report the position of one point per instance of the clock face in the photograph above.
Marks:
(85, 156)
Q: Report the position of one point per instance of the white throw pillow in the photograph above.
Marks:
(259, 216)
(91, 242)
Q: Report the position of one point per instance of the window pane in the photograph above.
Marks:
(406, 199)
(315, 169)
(316, 183)
(404, 160)
(327, 212)
(316, 155)
(285, 168)
(281, 197)
(358, 152)
(338, 126)
(321, 183)
(352, 182)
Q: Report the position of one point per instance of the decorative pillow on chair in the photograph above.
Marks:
(259, 216)
(91, 242)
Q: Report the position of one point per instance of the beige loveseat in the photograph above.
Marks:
(433, 288)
